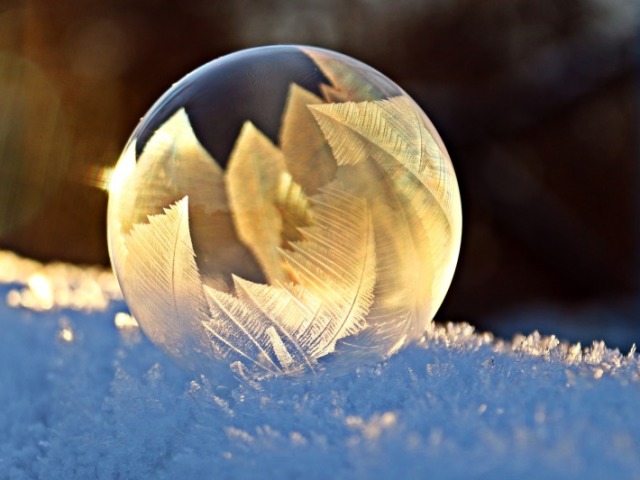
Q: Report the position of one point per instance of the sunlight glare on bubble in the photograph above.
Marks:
(114, 178)
(99, 177)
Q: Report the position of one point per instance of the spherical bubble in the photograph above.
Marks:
(284, 210)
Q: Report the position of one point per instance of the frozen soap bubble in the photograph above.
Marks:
(284, 209)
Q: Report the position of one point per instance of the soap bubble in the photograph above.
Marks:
(282, 210)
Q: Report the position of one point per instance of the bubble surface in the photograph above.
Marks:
(284, 210)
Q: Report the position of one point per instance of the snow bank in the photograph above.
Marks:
(84, 395)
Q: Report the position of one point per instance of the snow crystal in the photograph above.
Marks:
(85, 395)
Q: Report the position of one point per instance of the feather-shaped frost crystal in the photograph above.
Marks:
(284, 210)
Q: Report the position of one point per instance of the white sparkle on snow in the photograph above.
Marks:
(80, 399)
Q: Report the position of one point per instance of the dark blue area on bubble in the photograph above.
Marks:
(221, 95)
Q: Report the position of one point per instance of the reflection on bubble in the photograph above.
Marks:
(284, 209)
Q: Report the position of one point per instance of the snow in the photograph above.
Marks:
(83, 394)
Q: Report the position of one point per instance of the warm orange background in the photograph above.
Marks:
(535, 101)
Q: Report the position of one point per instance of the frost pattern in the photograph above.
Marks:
(253, 177)
(165, 291)
(348, 83)
(303, 144)
(172, 165)
(393, 126)
(271, 263)
(279, 329)
(388, 134)
(289, 327)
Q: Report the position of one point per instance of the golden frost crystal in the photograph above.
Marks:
(281, 210)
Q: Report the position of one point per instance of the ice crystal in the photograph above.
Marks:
(280, 207)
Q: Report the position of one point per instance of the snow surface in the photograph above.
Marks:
(82, 398)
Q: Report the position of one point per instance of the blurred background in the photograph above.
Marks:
(537, 103)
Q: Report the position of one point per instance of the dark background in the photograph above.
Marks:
(536, 101)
